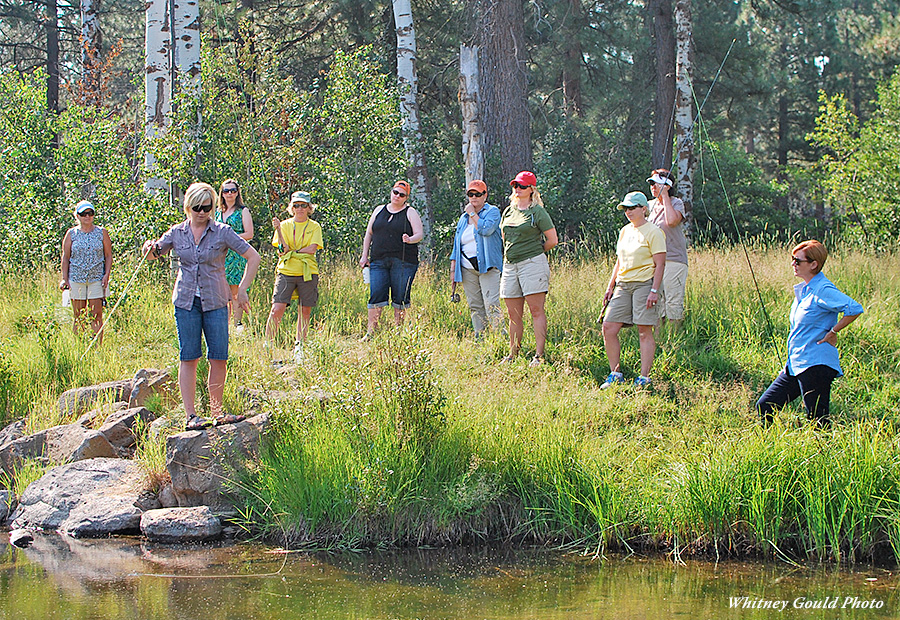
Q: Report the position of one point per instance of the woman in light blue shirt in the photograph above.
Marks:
(477, 258)
(812, 363)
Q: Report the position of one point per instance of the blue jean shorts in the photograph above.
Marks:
(391, 276)
(213, 325)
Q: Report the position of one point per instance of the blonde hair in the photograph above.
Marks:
(535, 197)
(196, 194)
(238, 203)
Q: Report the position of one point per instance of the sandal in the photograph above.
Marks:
(196, 423)
(229, 418)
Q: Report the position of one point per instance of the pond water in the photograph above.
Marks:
(60, 577)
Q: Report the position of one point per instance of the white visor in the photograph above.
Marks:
(658, 179)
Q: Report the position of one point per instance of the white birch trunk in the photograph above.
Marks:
(409, 113)
(187, 43)
(157, 81)
(684, 111)
(90, 48)
(473, 156)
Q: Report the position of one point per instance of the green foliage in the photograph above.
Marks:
(857, 158)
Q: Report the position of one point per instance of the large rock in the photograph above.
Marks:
(118, 429)
(30, 447)
(11, 432)
(134, 391)
(95, 497)
(58, 444)
(199, 461)
(172, 525)
(7, 504)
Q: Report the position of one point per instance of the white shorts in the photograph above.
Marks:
(83, 291)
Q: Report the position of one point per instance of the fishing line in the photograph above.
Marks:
(704, 130)
(110, 313)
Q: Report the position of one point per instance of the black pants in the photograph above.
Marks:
(813, 384)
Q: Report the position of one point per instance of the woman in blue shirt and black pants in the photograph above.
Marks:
(812, 362)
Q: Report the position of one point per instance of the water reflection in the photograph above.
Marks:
(61, 577)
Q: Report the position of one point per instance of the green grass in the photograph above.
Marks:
(425, 439)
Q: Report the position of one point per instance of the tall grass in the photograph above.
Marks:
(422, 437)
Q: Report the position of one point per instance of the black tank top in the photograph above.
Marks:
(387, 237)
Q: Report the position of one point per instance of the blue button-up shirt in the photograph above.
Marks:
(815, 311)
(201, 266)
(488, 242)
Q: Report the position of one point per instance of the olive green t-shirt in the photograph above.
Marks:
(523, 236)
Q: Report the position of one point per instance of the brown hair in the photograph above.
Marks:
(238, 204)
(814, 251)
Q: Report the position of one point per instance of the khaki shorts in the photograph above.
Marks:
(629, 304)
(307, 290)
(86, 290)
(674, 282)
(527, 277)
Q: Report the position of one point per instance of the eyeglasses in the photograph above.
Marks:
(230, 190)
(474, 194)
(206, 208)
(520, 186)
(86, 213)
(797, 261)
(397, 192)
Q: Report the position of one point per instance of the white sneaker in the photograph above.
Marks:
(238, 330)
(298, 352)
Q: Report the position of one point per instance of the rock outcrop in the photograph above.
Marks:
(199, 462)
(134, 391)
(94, 497)
(194, 524)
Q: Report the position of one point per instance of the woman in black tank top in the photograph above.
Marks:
(391, 252)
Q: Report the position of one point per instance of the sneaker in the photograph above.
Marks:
(613, 378)
(367, 337)
(508, 359)
(642, 381)
(537, 360)
(238, 330)
(298, 352)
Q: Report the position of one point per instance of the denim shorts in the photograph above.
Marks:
(391, 276)
(212, 324)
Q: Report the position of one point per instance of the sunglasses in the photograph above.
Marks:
(630, 207)
(206, 208)
(797, 261)
(520, 186)
(86, 213)
(474, 194)
(230, 190)
(397, 192)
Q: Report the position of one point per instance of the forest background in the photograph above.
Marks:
(797, 131)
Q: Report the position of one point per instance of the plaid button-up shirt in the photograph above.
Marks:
(201, 265)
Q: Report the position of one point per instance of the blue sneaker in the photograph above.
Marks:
(614, 377)
(642, 381)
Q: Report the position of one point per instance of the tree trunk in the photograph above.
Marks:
(91, 40)
(157, 80)
(187, 43)
(663, 35)
(573, 59)
(684, 111)
(473, 156)
(409, 112)
(52, 26)
(504, 84)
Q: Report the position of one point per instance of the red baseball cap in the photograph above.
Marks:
(477, 185)
(404, 185)
(525, 178)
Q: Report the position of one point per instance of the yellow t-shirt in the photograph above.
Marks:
(635, 251)
(298, 235)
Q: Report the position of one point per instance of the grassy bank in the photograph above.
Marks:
(425, 439)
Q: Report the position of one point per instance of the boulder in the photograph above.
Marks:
(118, 429)
(94, 497)
(12, 431)
(178, 525)
(29, 447)
(21, 538)
(73, 442)
(134, 391)
(199, 461)
(7, 504)
(95, 417)
(166, 497)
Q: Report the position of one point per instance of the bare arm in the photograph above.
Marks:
(550, 239)
(107, 258)
(247, 220)
(252, 257)
(831, 336)
(367, 239)
(659, 267)
(66, 255)
(416, 222)
(612, 283)
(673, 217)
